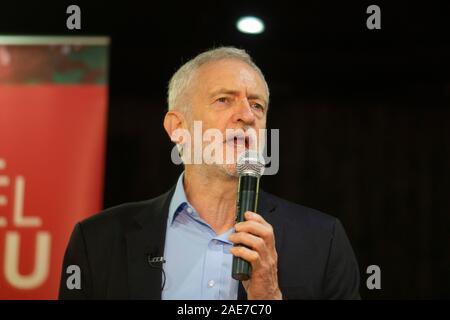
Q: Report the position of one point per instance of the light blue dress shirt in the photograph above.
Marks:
(198, 261)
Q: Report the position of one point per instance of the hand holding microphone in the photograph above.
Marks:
(255, 256)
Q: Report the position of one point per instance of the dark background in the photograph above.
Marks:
(363, 114)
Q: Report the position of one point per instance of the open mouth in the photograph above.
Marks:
(241, 141)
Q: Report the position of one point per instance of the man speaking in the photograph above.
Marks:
(182, 244)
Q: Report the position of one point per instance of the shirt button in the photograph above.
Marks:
(211, 283)
(189, 210)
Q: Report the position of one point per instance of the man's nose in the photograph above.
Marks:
(244, 112)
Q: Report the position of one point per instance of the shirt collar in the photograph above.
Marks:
(179, 200)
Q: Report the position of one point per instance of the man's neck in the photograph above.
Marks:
(212, 195)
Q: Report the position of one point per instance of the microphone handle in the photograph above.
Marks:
(247, 200)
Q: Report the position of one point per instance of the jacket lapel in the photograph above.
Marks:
(146, 239)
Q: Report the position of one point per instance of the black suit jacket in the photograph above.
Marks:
(315, 258)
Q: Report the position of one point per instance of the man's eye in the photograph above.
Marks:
(258, 106)
(223, 99)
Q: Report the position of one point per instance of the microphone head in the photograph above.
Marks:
(250, 162)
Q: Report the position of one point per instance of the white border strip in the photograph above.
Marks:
(53, 40)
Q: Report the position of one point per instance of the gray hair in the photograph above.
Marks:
(180, 80)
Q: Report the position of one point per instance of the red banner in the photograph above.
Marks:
(52, 146)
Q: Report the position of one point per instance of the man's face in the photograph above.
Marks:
(228, 94)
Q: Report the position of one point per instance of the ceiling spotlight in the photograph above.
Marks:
(250, 24)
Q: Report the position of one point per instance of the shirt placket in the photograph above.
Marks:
(212, 275)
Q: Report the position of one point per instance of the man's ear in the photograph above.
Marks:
(172, 121)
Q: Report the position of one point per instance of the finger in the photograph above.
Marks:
(249, 240)
(257, 229)
(247, 254)
(253, 216)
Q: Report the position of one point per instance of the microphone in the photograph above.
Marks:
(154, 261)
(250, 167)
(157, 263)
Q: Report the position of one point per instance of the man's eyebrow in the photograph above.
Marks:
(258, 97)
(235, 92)
(223, 91)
